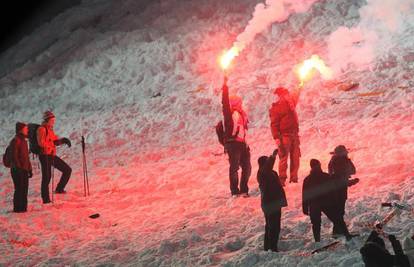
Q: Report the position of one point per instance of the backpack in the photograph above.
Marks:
(33, 145)
(220, 132)
(8, 157)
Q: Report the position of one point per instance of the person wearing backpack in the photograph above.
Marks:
(284, 125)
(21, 168)
(47, 141)
(235, 131)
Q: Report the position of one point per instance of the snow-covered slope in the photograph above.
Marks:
(140, 80)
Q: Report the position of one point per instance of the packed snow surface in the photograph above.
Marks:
(140, 80)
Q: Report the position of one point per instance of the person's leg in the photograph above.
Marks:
(59, 164)
(338, 220)
(315, 216)
(274, 229)
(294, 158)
(233, 150)
(46, 166)
(266, 244)
(16, 183)
(246, 167)
(283, 156)
(25, 191)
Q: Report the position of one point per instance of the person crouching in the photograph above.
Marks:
(273, 198)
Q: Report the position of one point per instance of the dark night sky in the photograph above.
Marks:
(23, 17)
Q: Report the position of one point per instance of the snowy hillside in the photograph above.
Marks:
(140, 80)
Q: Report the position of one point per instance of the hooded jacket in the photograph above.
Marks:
(235, 120)
(283, 118)
(20, 152)
(273, 196)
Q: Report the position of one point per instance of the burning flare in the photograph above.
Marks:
(228, 56)
(307, 69)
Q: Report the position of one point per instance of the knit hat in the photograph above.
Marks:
(280, 91)
(20, 126)
(47, 115)
(340, 150)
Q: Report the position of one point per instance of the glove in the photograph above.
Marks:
(275, 152)
(66, 141)
(353, 182)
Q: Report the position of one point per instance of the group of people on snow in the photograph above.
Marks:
(322, 192)
(43, 142)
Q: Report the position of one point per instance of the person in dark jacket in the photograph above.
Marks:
(235, 128)
(284, 124)
(341, 168)
(318, 195)
(273, 199)
(21, 168)
(48, 141)
(375, 254)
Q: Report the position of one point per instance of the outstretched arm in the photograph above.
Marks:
(228, 125)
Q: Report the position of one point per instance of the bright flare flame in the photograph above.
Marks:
(306, 69)
(227, 57)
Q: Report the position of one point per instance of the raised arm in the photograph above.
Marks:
(228, 125)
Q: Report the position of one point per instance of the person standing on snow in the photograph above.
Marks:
(21, 168)
(235, 130)
(273, 198)
(318, 195)
(341, 168)
(284, 124)
(48, 141)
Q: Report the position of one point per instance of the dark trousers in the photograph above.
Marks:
(47, 162)
(272, 230)
(290, 148)
(341, 209)
(21, 188)
(239, 156)
(333, 214)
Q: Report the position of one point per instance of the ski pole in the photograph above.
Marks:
(53, 179)
(85, 169)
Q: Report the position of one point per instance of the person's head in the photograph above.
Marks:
(21, 128)
(315, 165)
(340, 151)
(235, 102)
(281, 92)
(49, 118)
(262, 161)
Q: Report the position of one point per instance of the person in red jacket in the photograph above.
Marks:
(48, 141)
(284, 124)
(235, 142)
(21, 168)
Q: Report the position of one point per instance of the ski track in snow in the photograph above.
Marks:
(161, 193)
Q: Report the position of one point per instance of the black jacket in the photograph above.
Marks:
(273, 196)
(319, 190)
(341, 168)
